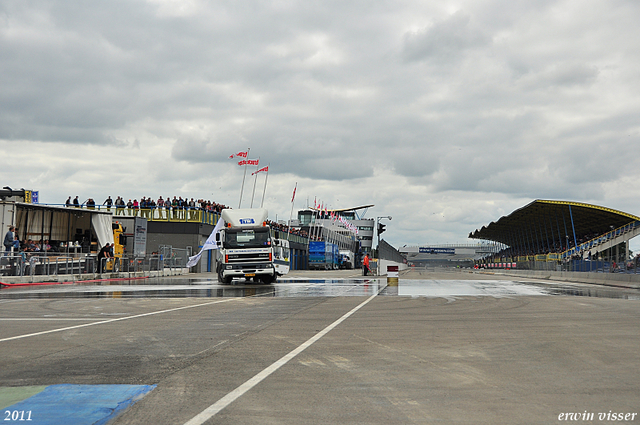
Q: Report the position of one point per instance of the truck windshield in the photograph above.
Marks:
(247, 238)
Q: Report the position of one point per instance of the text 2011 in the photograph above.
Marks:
(17, 415)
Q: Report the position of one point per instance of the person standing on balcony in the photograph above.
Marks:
(108, 202)
(9, 238)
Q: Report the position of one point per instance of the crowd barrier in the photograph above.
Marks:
(578, 265)
(36, 264)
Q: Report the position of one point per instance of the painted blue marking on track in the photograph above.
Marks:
(68, 404)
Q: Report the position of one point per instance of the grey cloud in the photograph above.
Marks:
(446, 39)
(573, 74)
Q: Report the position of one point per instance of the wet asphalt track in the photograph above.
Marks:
(441, 347)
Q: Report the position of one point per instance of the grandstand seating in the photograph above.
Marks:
(605, 241)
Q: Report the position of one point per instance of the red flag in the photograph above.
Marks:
(294, 193)
(241, 154)
(249, 162)
(265, 169)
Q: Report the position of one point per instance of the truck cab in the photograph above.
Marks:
(246, 248)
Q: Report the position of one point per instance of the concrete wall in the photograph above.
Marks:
(385, 263)
(607, 279)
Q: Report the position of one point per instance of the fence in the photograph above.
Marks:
(174, 257)
(39, 264)
(631, 266)
(24, 264)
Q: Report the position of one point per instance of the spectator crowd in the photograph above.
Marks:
(178, 205)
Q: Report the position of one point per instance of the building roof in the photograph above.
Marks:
(546, 217)
(343, 209)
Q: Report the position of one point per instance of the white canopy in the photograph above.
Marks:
(101, 224)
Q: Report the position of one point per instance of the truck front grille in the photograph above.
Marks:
(243, 258)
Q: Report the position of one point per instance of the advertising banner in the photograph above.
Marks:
(427, 250)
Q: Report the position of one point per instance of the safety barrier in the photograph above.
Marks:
(31, 264)
(40, 264)
(578, 265)
(12, 265)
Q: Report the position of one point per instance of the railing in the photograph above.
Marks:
(174, 257)
(134, 264)
(599, 265)
(586, 246)
(38, 264)
(31, 264)
(176, 215)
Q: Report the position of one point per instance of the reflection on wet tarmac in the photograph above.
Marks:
(182, 287)
(462, 288)
(581, 291)
(199, 288)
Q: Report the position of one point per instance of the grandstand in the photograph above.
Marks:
(555, 235)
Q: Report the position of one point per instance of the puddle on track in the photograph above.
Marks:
(198, 288)
(181, 287)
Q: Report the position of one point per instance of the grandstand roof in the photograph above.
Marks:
(549, 216)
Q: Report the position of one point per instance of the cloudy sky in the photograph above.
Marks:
(446, 115)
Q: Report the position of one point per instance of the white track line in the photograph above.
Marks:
(47, 318)
(118, 319)
(212, 410)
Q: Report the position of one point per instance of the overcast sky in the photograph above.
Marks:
(445, 115)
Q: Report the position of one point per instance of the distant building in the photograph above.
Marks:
(340, 226)
(447, 254)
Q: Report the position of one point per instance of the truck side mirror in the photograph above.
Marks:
(218, 237)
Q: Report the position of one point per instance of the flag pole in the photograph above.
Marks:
(292, 199)
(317, 225)
(310, 232)
(265, 186)
(243, 177)
(254, 182)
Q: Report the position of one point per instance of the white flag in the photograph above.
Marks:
(209, 244)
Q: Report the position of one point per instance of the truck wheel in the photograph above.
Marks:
(268, 279)
(223, 279)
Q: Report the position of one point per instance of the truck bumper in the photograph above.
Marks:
(247, 270)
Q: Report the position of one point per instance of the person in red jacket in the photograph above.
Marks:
(365, 265)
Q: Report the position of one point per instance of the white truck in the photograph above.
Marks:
(346, 259)
(246, 247)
